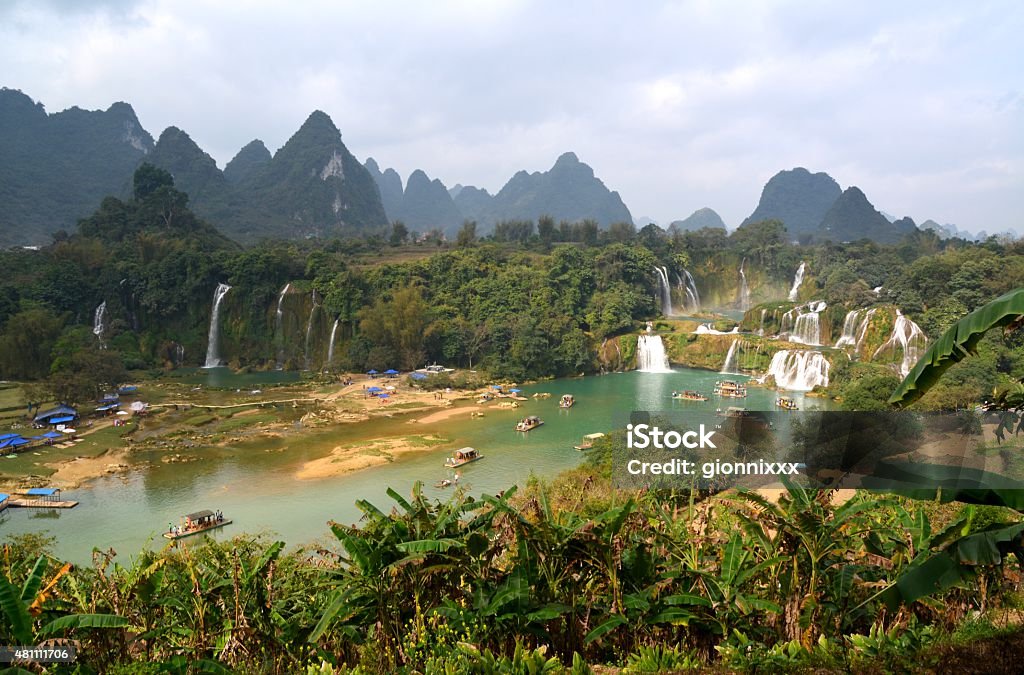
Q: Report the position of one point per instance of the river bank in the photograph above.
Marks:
(182, 419)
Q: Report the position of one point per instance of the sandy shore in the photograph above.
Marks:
(73, 473)
(442, 415)
(365, 454)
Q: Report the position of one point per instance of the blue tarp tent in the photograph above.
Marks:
(61, 420)
(105, 408)
(371, 372)
(391, 371)
(4, 437)
(15, 442)
(515, 391)
(52, 434)
(373, 389)
(59, 411)
(496, 386)
(128, 389)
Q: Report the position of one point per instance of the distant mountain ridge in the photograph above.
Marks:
(799, 199)
(56, 168)
(568, 191)
(698, 220)
(814, 208)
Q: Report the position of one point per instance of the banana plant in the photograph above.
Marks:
(819, 551)
(23, 608)
(950, 563)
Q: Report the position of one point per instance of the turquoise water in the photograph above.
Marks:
(225, 378)
(255, 485)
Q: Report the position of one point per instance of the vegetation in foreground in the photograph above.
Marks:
(559, 577)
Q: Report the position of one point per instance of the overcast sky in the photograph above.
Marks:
(675, 105)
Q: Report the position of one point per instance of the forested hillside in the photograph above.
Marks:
(531, 300)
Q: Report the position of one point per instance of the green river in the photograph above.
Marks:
(254, 482)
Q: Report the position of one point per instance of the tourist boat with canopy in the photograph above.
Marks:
(529, 423)
(567, 401)
(196, 523)
(786, 403)
(730, 389)
(588, 441)
(462, 456)
(689, 396)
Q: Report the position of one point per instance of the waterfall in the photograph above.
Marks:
(212, 346)
(760, 329)
(862, 332)
(850, 325)
(744, 297)
(909, 338)
(797, 280)
(664, 291)
(309, 327)
(330, 347)
(687, 286)
(805, 327)
(279, 326)
(731, 364)
(97, 320)
(799, 370)
(650, 355)
(179, 354)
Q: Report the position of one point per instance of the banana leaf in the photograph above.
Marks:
(17, 619)
(955, 564)
(83, 621)
(946, 484)
(958, 342)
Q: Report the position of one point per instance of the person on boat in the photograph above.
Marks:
(456, 477)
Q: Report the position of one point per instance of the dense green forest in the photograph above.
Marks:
(531, 300)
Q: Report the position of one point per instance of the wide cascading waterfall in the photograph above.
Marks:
(743, 298)
(731, 364)
(664, 291)
(806, 326)
(801, 370)
(850, 325)
(688, 289)
(97, 320)
(650, 355)
(797, 281)
(330, 346)
(212, 345)
(309, 328)
(908, 337)
(279, 326)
